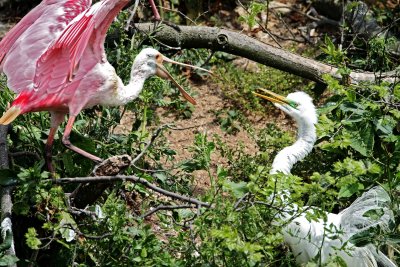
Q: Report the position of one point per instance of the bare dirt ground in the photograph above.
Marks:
(282, 22)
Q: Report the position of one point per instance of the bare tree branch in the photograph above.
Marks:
(5, 194)
(87, 194)
(242, 45)
(134, 179)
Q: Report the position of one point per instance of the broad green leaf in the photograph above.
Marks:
(143, 253)
(363, 238)
(349, 190)
(328, 107)
(363, 139)
(238, 189)
(393, 238)
(354, 108)
(160, 176)
(386, 125)
(83, 142)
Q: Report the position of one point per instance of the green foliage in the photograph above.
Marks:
(5, 259)
(32, 239)
(8, 260)
(228, 122)
(251, 16)
(334, 55)
(358, 147)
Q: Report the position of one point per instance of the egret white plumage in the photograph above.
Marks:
(324, 238)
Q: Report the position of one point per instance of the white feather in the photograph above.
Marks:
(323, 239)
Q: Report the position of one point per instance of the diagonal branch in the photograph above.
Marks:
(242, 45)
(134, 179)
(150, 142)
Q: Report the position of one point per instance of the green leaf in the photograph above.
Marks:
(350, 189)
(83, 142)
(160, 176)
(363, 139)
(386, 125)
(354, 108)
(221, 173)
(8, 260)
(393, 238)
(31, 238)
(328, 107)
(238, 189)
(374, 214)
(68, 162)
(143, 253)
(363, 238)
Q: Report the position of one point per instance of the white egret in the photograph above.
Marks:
(324, 238)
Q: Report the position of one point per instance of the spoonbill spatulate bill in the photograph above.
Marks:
(55, 61)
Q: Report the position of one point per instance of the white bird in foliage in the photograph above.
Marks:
(325, 238)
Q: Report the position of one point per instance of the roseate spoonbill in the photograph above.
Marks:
(317, 239)
(55, 61)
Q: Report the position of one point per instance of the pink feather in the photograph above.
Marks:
(31, 37)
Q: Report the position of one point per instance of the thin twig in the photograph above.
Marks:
(92, 236)
(179, 12)
(208, 58)
(185, 128)
(261, 26)
(128, 22)
(149, 143)
(134, 179)
(166, 207)
(240, 201)
(284, 23)
(79, 212)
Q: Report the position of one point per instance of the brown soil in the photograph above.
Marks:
(281, 22)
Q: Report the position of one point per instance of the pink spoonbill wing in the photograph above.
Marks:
(30, 38)
(69, 52)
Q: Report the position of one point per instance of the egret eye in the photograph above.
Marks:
(293, 104)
